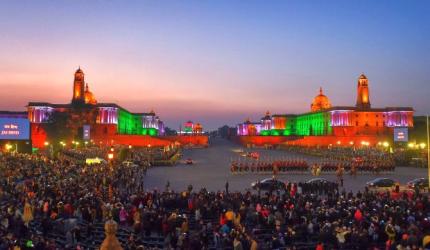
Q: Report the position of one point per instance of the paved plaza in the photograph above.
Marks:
(212, 170)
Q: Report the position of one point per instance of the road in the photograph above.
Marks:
(212, 169)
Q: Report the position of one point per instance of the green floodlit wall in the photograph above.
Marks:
(313, 124)
(129, 124)
(290, 126)
(275, 132)
(265, 132)
(150, 131)
(317, 123)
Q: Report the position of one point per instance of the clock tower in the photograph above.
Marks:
(78, 87)
(363, 101)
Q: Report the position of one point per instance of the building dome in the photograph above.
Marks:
(267, 116)
(89, 96)
(320, 102)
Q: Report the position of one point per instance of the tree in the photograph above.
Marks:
(169, 131)
(224, 131)
(68, 124)
(56, 128)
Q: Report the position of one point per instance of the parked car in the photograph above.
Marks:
(382, 183)
(189, 161)
(317, 180)
(421, 183)
(268, 184)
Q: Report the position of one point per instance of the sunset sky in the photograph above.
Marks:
(215, 62)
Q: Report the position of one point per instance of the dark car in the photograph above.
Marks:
(189, 161)
(421, 183)
(317, 181)
(381, 183)
(268, 184)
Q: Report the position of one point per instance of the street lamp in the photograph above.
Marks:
(46, 143)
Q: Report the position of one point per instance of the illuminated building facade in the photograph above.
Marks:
(105, 119)
(191, 128)
(321, 102)
(326, 120)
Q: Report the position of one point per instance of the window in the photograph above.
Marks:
(356, 123)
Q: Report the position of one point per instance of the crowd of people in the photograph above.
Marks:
(40, 197)
(35, 190)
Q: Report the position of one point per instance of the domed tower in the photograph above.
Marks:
(266, 121)
(79, 87)
(89, 96)
(320, 102)
(363, 101)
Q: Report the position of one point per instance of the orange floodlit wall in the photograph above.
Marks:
(349, 141)
(279, 122)
(262, 140)
(198, 140)
(100, 130)
(38, 135)
(133, 140)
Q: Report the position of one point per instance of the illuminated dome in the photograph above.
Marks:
(320, 102)
(89, 96)
(198, 128)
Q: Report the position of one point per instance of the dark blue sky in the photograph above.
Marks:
(216, 62)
